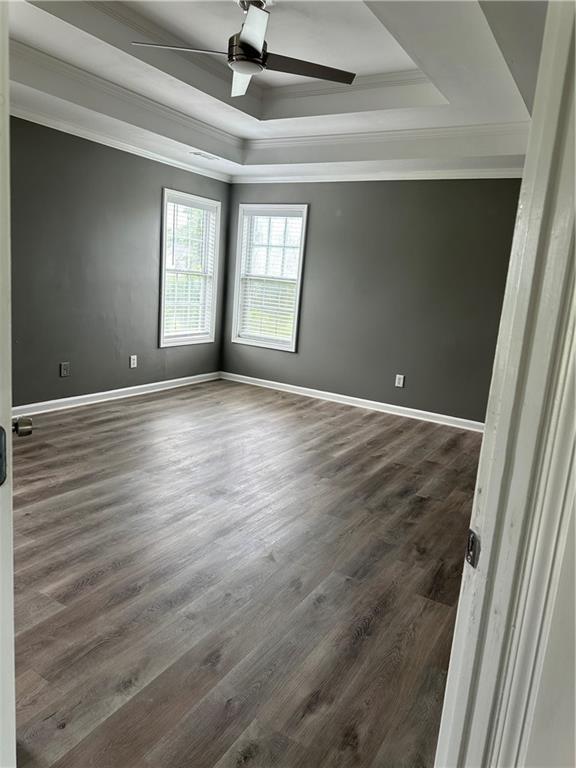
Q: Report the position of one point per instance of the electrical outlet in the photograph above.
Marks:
(399, 380)
(64, 370)
(133, 361)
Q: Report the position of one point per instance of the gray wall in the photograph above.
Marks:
(86, 266)
(399, 277)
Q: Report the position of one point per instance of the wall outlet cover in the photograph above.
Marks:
(64, 370)
(399, 380)
(133, 361)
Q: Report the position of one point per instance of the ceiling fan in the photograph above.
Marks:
(248, 54)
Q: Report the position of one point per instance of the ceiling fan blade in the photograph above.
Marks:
(240, 83)
(279, 63)
(177, 48)
(253, 31)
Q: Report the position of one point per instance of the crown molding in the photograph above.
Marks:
(397, 175)
(351, 176)
(21, 53)
(467, 151)
(491, 146)
(273, 178)
(99, 137)
(414, 134)
(409, 97)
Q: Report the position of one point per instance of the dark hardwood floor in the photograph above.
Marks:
(224, 576)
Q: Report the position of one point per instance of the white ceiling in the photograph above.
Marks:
(318, 31)
(434, 94)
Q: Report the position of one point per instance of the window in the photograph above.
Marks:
(268, 275)
(191, 228)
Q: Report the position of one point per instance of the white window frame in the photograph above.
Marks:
(265, 209)
(214, 206)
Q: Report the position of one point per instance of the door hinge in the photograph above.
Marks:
(472, 548)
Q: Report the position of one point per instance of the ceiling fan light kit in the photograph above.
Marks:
(243, 59)
(248, 53)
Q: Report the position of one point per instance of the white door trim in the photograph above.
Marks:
(522, 501)
(7, 692)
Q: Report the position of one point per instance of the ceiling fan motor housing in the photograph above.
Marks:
(245, 4)
(243, 58)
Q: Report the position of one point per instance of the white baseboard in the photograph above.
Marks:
(112, 394)
(158, 386)
(397, 410)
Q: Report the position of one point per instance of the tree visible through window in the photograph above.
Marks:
(190, 255)
(271, 245)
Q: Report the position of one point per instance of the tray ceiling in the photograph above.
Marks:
(433, 95)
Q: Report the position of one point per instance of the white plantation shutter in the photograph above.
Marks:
(190, 256)
(268, 275)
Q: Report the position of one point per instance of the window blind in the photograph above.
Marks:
(189, 269)
(268, 282)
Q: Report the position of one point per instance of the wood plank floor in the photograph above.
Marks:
(224, 576)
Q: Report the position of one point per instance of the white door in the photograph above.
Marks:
(7, 694)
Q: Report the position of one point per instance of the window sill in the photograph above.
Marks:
(265, 343)
(186, 341)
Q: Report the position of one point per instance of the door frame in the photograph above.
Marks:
(524, 496)
(7, 687)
